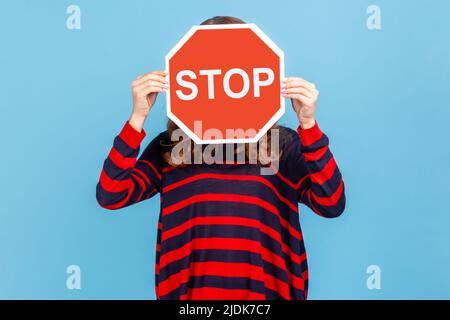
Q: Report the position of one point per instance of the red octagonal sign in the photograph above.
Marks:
(225, 83)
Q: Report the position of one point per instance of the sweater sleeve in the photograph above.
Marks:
(124, 180)
(322, 187)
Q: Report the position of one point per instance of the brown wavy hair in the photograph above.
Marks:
(262, 156)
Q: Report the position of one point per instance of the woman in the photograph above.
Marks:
(225, 231)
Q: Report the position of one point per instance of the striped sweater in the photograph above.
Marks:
(225, 231)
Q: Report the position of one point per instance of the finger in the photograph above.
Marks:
(302, 84)
(303, 91)
(149, 77)
(147, 83)
(151, 84)
(292, 78)
(157, 73)
(149, 90)
(303, 99)
(152, 89)
(157, 79)
(311, 91)
(296, 82)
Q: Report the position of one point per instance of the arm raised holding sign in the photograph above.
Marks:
(323, 188)
(124, 179)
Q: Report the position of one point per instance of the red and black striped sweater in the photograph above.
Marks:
(225, 231)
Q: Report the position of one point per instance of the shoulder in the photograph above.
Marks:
(289, 140)
(288, 133)
(292, 163)
(156, 147)
(162, 137)
(159, 140)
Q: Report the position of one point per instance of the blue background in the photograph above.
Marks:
(384, 103)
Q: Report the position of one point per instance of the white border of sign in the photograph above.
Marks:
(263, 37)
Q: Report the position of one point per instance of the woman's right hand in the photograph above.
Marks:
(145, 90)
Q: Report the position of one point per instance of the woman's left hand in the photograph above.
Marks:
(303, 95)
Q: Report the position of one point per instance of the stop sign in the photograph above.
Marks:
(225, 83)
